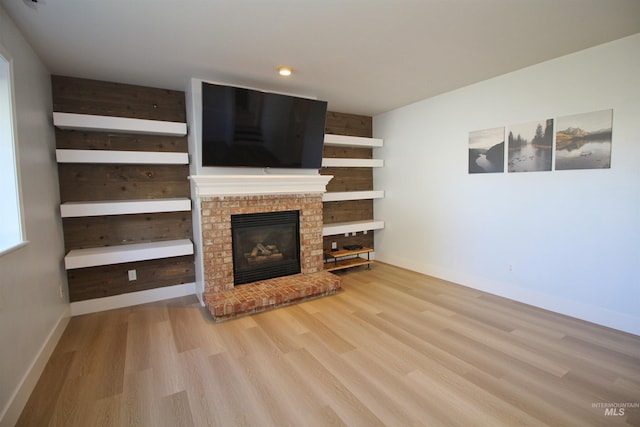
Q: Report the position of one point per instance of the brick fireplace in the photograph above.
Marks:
(219, 198)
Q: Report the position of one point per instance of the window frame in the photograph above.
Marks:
(22, 239)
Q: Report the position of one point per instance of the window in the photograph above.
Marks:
(11, 230)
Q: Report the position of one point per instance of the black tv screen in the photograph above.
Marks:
(250, 128)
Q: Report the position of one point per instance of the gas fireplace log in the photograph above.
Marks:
(262, 253)
(262, 258)
(263, 250)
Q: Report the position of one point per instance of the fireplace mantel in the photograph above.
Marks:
(218, 198)
(251, 185)
(215, 241)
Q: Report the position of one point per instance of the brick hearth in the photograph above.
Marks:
(222, 298)
(268, 294)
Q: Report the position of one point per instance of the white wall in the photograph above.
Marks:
(32, 313)
(571, 237)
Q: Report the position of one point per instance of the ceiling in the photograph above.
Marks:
(362, 56)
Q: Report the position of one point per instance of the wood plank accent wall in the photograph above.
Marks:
(119, 141)
(349, 124)
(88, 182)
(107, 280)
(348, 179)
(79, 182)
(84, 232)
(83, 96)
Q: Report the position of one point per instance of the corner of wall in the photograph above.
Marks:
(18, 400)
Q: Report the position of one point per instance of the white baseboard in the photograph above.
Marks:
(12, 411)
(597, 315)
(133, 298)
(10, 414)
(200, 299)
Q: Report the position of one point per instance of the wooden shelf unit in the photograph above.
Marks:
(107, 255)
(96, 123)
(139, 174)
(341, 259)
(333, 162)
(123, 207)
(121, 157)
(338, 196)
(351, 227)
(351, 141)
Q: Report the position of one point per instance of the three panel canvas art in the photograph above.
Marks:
(580, 141)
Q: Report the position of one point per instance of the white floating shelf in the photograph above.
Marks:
(125, 157)
(123, 207)
(92, 257)
(329, 162)
(351, 141)
(88, 122)
(352, 195)
(351, 227)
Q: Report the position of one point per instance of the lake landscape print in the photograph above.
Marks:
(530, 146)
(583, 141)
(486, 150)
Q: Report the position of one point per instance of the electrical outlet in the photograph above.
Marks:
(61, 290)
(334, 246)
(132, 275)
(510, 268)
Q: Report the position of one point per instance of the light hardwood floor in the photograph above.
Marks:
(394, 348)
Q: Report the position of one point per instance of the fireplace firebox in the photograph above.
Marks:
(265, 245)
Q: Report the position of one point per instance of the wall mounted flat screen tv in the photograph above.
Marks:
(249, 128)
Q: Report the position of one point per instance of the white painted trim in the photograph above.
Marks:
(15, 155)
(352, 195)
(89, 122)
(333, 162)
(133, 298)
(125, 157)
(351, 227)
(14, 248)
(107, 255)
(11, 412)
(351, 141)
(123, 207)
(196, 216)
(250, 185)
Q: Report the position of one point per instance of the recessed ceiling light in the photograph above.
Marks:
(285, 71)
